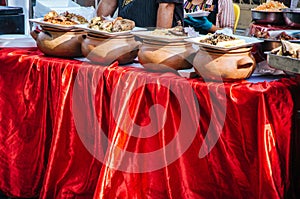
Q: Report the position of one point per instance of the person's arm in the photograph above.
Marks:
(201, 22)
(213, 29)
(165, 14)
(107, 7)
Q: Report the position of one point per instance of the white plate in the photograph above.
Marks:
(200, 13)
(164, 38)
(249, 41)
(106, 33)
(41, 22)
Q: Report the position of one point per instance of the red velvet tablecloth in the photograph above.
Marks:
(75, 130)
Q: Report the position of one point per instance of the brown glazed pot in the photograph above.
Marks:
(224, 65)
(59, 43)
(166, 56)
(105, 50)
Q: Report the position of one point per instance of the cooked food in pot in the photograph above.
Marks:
(117, 25)
(65, 18)
(270, 6)
(287, 49)
(265, 35)
(261, 34)
(285, 36)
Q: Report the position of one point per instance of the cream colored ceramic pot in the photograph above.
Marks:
(59, 43)
(166, 56)
(107, 49)
(225, 66)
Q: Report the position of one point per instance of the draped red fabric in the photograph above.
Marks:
(250, 160)
(72, 172)
(76, 130)
(24, 132)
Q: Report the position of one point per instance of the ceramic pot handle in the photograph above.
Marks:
(48, 33)
(245, 62)
(89, 47)
(34, 34)
(81, 38)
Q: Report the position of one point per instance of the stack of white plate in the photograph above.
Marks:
(16, 40)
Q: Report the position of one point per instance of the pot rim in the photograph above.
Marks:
(268, 11)
(162, 43)
(99, 36)
(47, 28)
(234, 51)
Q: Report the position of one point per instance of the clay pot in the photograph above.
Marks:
(166, 56)
(224, 65)
(59, 43)
(105, 50)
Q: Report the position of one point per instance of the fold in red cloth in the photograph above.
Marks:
(67, 131)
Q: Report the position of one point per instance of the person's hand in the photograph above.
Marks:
(201, 22)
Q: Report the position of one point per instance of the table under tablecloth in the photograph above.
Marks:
(67, 127)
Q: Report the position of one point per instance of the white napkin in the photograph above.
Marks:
(225, 31)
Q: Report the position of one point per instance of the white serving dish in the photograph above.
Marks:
(249, 41)
(41, 22)
(199, 13)
(106, 33)
(148, 35)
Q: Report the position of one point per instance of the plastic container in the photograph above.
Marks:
(42, 7)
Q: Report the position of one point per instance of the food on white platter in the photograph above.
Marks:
(111, 25)
(222, 40)
(65, 18)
